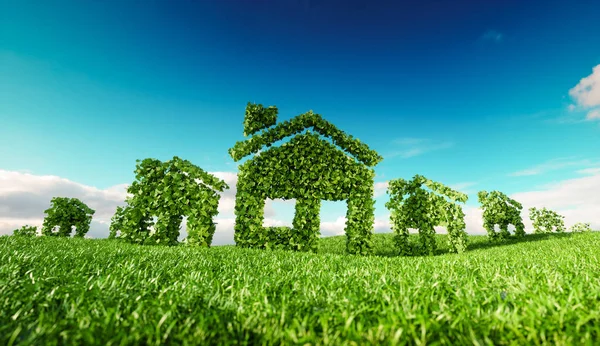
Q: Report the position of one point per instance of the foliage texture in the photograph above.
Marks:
(411, 206)
(308, 169)
(26, 231)
(168, 191)
(279, 237)
(65, 213)
(258, 118)
(499, 209)
(545, 220)
(581, 227)
(298, 124)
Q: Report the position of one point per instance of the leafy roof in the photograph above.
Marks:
(147, 167)
(298, 124)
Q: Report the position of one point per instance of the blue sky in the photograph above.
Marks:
(464, 92)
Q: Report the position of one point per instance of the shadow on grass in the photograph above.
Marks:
(384, 244)
(482, 242)
(528, 238)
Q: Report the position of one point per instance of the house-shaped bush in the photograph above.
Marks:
(411, 206)
(309, 169)
(169, 190)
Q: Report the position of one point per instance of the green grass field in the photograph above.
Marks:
(544, 289)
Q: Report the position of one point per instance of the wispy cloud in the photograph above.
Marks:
(409, 141)
(462, 187)
(570, 118)
(589, 171)
(552, 165)
(573, 115)
(492, 35)
(411, 147)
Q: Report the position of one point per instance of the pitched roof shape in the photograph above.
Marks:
(186, 167)
(298, 124)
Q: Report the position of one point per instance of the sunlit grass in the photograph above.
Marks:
(544, 289)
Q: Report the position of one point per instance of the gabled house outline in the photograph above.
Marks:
(353, 159)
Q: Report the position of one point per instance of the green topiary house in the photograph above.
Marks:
(309, 169)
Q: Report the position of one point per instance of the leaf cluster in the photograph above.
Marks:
(258, 118)
(581, 227)
(545, 220)
(65, 213)
(412, 206)
(308, 169)
(168, 191)
(279, 238)
(499, 209)
(26, 231)
(298, 124)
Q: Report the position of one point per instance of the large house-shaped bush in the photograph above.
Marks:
(308, 168)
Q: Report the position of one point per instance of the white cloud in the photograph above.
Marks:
(224, 232)
(577, 199)
(331, 228)
(24, 197)
(7, 225)
(380, 188)
(593, 115)
(587, 92)
(587, 95)
(227, 201)
(474, 220)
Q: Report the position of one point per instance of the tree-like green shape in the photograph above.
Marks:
(499, 209)
(411, 206)
(545, 220)
(65, 213)
(168, 191)
(25, 231)
(308, 169)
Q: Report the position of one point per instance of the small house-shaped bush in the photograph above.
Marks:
(309, 169)
(169, 190)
